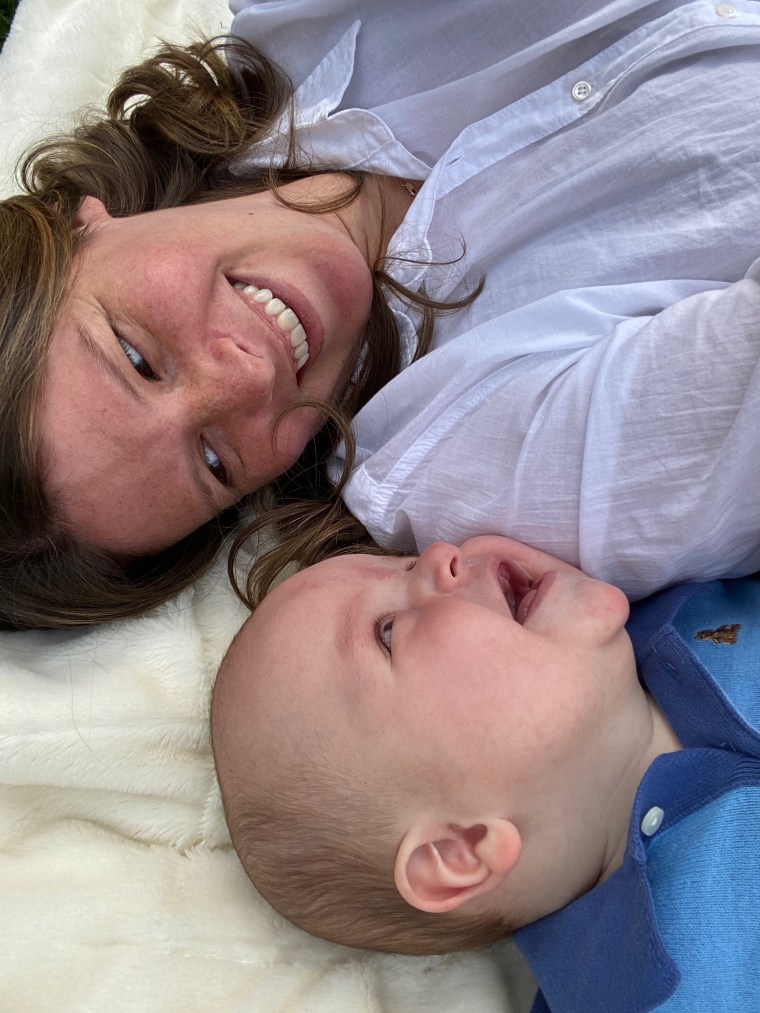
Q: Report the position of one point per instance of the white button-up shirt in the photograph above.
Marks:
(601, 397)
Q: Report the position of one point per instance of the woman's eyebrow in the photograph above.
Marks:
(93, 349)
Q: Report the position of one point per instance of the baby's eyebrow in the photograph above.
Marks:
(346, 637)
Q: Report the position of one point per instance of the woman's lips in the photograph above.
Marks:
(289, 314)
(283, 316)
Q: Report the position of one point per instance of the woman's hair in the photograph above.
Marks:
(172, 130)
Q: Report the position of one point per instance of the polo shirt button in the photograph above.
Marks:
(581, 91)
(726, 10)
(652, 821)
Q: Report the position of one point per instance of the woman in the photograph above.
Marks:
(92, 507)
(147, 358)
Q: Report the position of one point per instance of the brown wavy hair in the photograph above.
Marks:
(172, 129)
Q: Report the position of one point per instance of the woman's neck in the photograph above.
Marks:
(373, 218)
(391, 198)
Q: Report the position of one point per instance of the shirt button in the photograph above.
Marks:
(652, 821)
(726, 10)
(581, 91)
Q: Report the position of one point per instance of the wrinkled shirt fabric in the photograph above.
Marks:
(600, 398)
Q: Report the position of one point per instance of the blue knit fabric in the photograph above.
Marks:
(676, 927)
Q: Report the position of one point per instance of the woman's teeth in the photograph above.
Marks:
(286, 319)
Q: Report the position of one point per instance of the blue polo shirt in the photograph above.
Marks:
(677, 926)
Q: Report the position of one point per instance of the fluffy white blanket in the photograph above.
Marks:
(119, 887)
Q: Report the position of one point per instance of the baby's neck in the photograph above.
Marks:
(663, 740)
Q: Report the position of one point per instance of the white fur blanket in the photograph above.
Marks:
(120, 891)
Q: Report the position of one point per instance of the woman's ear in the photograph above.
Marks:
(91, 211)
(439, 866)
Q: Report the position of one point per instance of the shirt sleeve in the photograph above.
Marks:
(623, 443)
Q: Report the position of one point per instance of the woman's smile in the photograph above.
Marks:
(301, 344)
(186, 335)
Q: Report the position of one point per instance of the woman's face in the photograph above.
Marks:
(171, 359)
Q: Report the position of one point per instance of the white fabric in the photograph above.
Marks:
(62, 54)
(429, 70)
(600, 398)
(120, 892)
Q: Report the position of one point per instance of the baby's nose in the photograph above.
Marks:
(441, 563)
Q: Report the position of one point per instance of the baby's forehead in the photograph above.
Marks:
(247, 681)
(329, 579)
(255, 638)
(300, 613)
(272, 632)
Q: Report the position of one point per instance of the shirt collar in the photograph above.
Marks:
(607, 944)
(698, 704)
(332, 138)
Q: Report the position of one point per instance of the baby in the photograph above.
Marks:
(426, 754)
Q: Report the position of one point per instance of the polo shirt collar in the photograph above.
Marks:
(607, 945)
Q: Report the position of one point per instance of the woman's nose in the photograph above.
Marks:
(440, 563)
(231, 380)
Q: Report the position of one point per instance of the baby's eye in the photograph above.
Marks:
(215, 465)
(139, 364)
(383, 631)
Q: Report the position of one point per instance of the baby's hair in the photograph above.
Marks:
(321, 851)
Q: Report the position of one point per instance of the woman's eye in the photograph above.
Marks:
(215, 465)
(383, 632)
(139, 364)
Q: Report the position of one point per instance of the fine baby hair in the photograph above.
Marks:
(321, 851)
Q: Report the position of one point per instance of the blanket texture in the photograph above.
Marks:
(120, 891)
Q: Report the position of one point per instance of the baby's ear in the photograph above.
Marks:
(439, 866)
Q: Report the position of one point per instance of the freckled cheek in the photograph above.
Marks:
(360, 300)
(162, 281)
(348, 279)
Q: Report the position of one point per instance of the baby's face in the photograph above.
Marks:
(472, 660)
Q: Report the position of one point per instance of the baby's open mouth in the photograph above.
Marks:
(517, 588)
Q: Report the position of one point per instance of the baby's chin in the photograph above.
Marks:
(534, 561)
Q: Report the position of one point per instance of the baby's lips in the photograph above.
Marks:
(518, 577)
(514, 583)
